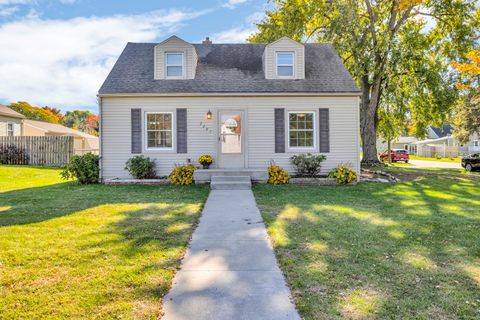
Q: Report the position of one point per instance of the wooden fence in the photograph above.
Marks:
(37, 151)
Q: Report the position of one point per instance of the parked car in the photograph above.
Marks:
(471, 162)
(397, 155)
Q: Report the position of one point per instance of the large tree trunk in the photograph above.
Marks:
(370, 101)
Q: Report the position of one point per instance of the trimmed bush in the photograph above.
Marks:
(141, 167)
(277, 175)
(307, 164)
(182, 174)
(13, 155)
(84, 168)
(437, 156)
(343, 173)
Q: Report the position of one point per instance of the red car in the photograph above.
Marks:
(397, 155)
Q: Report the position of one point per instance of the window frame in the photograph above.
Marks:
(145, 131)
(285, 65)
(476, 143)
(314, 130)
(12, 131)
(166, 64)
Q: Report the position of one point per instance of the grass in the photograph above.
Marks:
(456, 159)
(409, 250)
(97, 252)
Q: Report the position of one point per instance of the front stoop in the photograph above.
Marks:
(231, 183)
(205, 175)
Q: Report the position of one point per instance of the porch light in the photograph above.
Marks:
(209, 115)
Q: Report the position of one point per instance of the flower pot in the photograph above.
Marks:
(206, 166)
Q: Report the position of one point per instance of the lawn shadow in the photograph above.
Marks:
(405, 250)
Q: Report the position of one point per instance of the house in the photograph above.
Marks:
(439, 141)
(244, 104)
(11, 122)
(82, 142)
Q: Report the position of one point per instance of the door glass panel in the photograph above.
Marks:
(231, 132)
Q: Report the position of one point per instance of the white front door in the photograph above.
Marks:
(231, 139)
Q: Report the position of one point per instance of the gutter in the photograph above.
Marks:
(100, 134)
(233, 94)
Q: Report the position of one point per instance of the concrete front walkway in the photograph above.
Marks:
(229, 270)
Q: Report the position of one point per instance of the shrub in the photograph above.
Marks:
(307, 164)
(182, 174)
(85, 168)
(277, 175)
(13, 155)
(437, 156)
(343, 173)
(205, 159)
(141, 167)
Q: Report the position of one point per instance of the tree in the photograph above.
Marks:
(393, 53)
(56, 112)
(467, 115)
(76, 119)
(91, 125)
(33, 113)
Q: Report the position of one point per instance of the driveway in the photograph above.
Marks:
(435, 164)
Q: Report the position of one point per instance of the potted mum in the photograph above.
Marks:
(205, 160)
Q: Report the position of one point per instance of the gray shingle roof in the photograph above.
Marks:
(443, 131)
(229, 68)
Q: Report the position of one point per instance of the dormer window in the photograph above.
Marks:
(174, 65)
(285, 65)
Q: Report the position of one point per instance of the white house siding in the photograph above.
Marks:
(202, 133)
(284, 44)
(17, 126)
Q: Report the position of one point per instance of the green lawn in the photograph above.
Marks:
(99, 252)
(409, 250)
(457, 159)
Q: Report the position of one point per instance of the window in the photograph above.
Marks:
(475, 143)
(159, 130)
(285, 64)
(301, 130)
(174, 64)
(10, 129)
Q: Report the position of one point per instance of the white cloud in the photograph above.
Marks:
(63, 63)
(7, 11)
(10, 2)
(239, 33)
(234, 35)
(233, 3)
(68, 1)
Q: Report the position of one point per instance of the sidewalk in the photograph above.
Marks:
(229, 270)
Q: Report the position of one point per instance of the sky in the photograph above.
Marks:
(58, 52)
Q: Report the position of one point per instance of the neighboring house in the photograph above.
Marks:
(11, 122)
(244, 104)
(82, 142)
(439, 141)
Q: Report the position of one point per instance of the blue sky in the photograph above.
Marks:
(58, 52)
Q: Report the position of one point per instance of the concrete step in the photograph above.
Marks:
(231, 178)
(205, 175)
(231, 185)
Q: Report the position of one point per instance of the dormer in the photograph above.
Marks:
(175, 59)
(284, 59)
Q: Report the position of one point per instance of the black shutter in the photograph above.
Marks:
(279, 130)
(181, 130)
(324, 122)
(136, 118)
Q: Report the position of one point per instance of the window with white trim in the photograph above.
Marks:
(285, 64)
(10, 129)
(475, 143)
(301, 130)
(159, 130)
(174, 65)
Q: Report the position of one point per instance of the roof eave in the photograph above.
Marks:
(230, 94)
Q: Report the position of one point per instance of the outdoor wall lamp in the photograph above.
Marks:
(209, 115)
